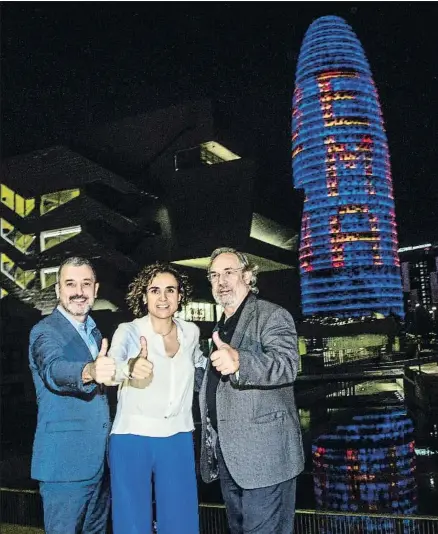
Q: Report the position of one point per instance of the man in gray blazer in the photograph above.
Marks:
(251, 435)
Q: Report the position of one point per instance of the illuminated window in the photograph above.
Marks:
(22, 206)
(198, 311)
(51, 201)
(26, 205)
(51, 238)
(8, 197)
(3, 292)
(49, 276)
(23, 242)
(208, 153)
(213, 152)
(17, 274)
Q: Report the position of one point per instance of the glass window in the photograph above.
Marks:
(198, 311)
(213, 153)
(51, 201)
(6, 229)
(51, 238)
(24, 278)
(17, 274)
(23, 242)
(49, 276)
(6, 265)
(29, 206)
(8, 197)
(22, 206)
(209, 153)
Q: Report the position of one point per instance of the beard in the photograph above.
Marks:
(77, 309)
(225, 300)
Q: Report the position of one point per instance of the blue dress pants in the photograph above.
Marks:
(170, 460)
(76, 507)
(269, 510)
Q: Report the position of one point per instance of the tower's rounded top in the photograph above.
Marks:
(330, 44)
(329, 19)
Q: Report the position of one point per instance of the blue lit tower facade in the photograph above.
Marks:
(348, 250)
(367, 464)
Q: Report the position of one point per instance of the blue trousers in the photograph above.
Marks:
(269, 510)
(170, 460)
(76, 507)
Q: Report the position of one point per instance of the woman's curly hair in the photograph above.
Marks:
(138, 287)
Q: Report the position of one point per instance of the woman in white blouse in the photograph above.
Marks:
(151, 438)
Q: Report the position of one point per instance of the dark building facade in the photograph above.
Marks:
(419, 267)
(157, 186)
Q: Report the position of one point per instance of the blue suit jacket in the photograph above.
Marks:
(73, 418)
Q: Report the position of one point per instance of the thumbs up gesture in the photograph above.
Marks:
(225, 359)
(103, 369)
(140, 368)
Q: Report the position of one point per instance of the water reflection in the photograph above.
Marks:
(366, 463)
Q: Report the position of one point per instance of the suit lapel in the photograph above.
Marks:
(73, 335)
(203, 388)
(65, 324)
(97, 336)
(243, 322)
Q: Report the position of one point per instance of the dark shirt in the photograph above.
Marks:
(225, 328)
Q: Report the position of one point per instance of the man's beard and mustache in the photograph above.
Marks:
(78, 300)
(224, 296)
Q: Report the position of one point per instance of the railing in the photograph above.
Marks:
(23, 509)
(323, 522)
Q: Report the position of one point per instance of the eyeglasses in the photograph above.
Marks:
(227, 274)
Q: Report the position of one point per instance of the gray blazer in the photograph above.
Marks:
(258, 424)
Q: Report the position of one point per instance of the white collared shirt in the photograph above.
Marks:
(164, 407)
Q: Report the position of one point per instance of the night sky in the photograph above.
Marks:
(68, 65)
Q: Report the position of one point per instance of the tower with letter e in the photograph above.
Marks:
(348, 250)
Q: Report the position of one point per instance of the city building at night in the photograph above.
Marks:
(156, 186)
(349, 262)
(419, 269)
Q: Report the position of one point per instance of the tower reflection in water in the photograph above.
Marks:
(367, 465)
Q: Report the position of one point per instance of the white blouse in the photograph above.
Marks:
(164, 407)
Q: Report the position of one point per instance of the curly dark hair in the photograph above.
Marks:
(138, 287)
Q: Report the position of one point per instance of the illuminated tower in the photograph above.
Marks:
(366, 463)
(348, 250)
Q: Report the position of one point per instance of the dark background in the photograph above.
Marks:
(67, 65)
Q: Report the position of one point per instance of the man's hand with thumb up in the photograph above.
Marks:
(103, 369)
(140, 367)
(225, 358)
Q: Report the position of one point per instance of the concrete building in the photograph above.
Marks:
(157, 186)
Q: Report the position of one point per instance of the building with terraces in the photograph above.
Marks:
(158, 186)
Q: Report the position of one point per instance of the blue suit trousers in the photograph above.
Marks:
(76, 507)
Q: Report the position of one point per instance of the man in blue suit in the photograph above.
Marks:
(69, 451)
